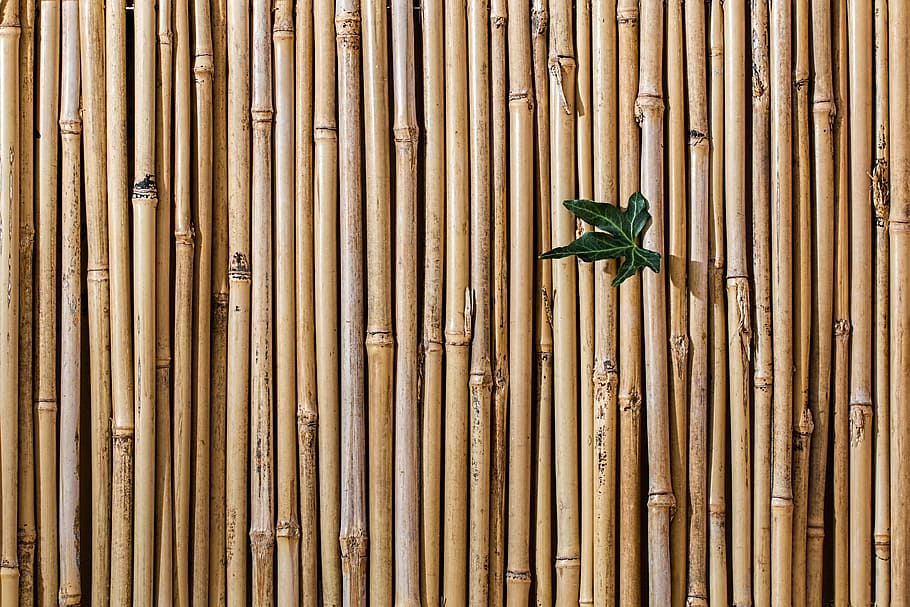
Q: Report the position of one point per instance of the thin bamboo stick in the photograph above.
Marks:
(46, 300)
(521, 298)
(605, 376)
(431, 397)
(407, 525)
(70, 591)
(380, 339)
(823, 112)
(763, 378)
(287, 528)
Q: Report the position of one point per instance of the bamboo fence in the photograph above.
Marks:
(274, 329)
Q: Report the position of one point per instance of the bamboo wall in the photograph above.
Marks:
(274, 329)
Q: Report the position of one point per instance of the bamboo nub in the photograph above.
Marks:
(860, 412)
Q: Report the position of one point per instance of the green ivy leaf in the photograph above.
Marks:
(618, 238)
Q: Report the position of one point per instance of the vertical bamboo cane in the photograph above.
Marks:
(605, 110)
(823, 112)
(881, 198)
(434, 182)
(763, 377)
(521, 298)
(629, 398)
(46, 300)
(70, 592)
(480, 381)
(287, 528)
(407, 528)
(699, 300)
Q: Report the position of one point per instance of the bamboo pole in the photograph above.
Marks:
(434, 183)
(699, 301)
(605, 374)
(326, 275)
(46, 299)
(70, 591)
(287, 528)
(203, 74)
(9, 314)
(521, 298)
(881, 198)
(763, 377)
(122, 422)
(480, 380)
(823, 112)
(380, 338)
(407, 525)
(629, 398)
(458, 313)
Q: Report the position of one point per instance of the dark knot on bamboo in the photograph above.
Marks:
(239, 269)
(499, 21)
(539, 21)
(522, 576)
(697, 138)
(630, 403)
(347, 30)
(842, 328)
(145, 189)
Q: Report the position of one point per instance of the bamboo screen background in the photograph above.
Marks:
(274, 330)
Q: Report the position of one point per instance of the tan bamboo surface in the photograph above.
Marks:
(291, 250)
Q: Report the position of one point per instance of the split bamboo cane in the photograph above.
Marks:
(458, 313)
(699, 301)
(480, 380)
(630, 389)
(605, 375)
(380, 339)
(307, 419)
(881, 198)
(823, 112)
(70, 592)
(326, 278)
(407, 472)
(739, 312)
(763, 377)
(431, 396)
(287, 527)
(899, 38)
(46, 303)
(203, 74)
(9, 314)
(122, 379)
(521, 298)
(782, 292)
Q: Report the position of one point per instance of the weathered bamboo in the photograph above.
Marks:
(699, 301)
(606, 171)
(70, 592)
(46, 303)
(823, 112)
(203, 74)
(431, 397)
(782, 291)
(122, 380)
(458, 312)
(287, 527)
(480, 382)
(762, 378)
(881, 199)
(407, 472)
(521, 299)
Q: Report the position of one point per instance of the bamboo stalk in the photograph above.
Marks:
(70, 591)
(380, 339)
(287, 528)
(46, 300)
(203, 74)
(458, 313)
(605, 375)
(521, 298)
(407, 526)
(823, 112)
(122, 422)
(431, 397)
(480, 380)
(763, 378)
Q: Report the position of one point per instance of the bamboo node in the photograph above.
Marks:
(261, 116)
(97, 274)
(662, 499)
(697, 600)
(498, 21)
(630, 403)
(882, 546)
(379, 338)
(842, 328)
(800, 81)
(325, 133)
(354, 544)
(881, 193)
(518, 575)
(146, 189)
(239, 269)
(763, 382)
(558, 63)
(627, 16)
(567, 562)
(806, 425)
(539, 21)
(347, 30)
(815, 531)
(289, 529)
(71, 126)
(696, 137)
(859, 412)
